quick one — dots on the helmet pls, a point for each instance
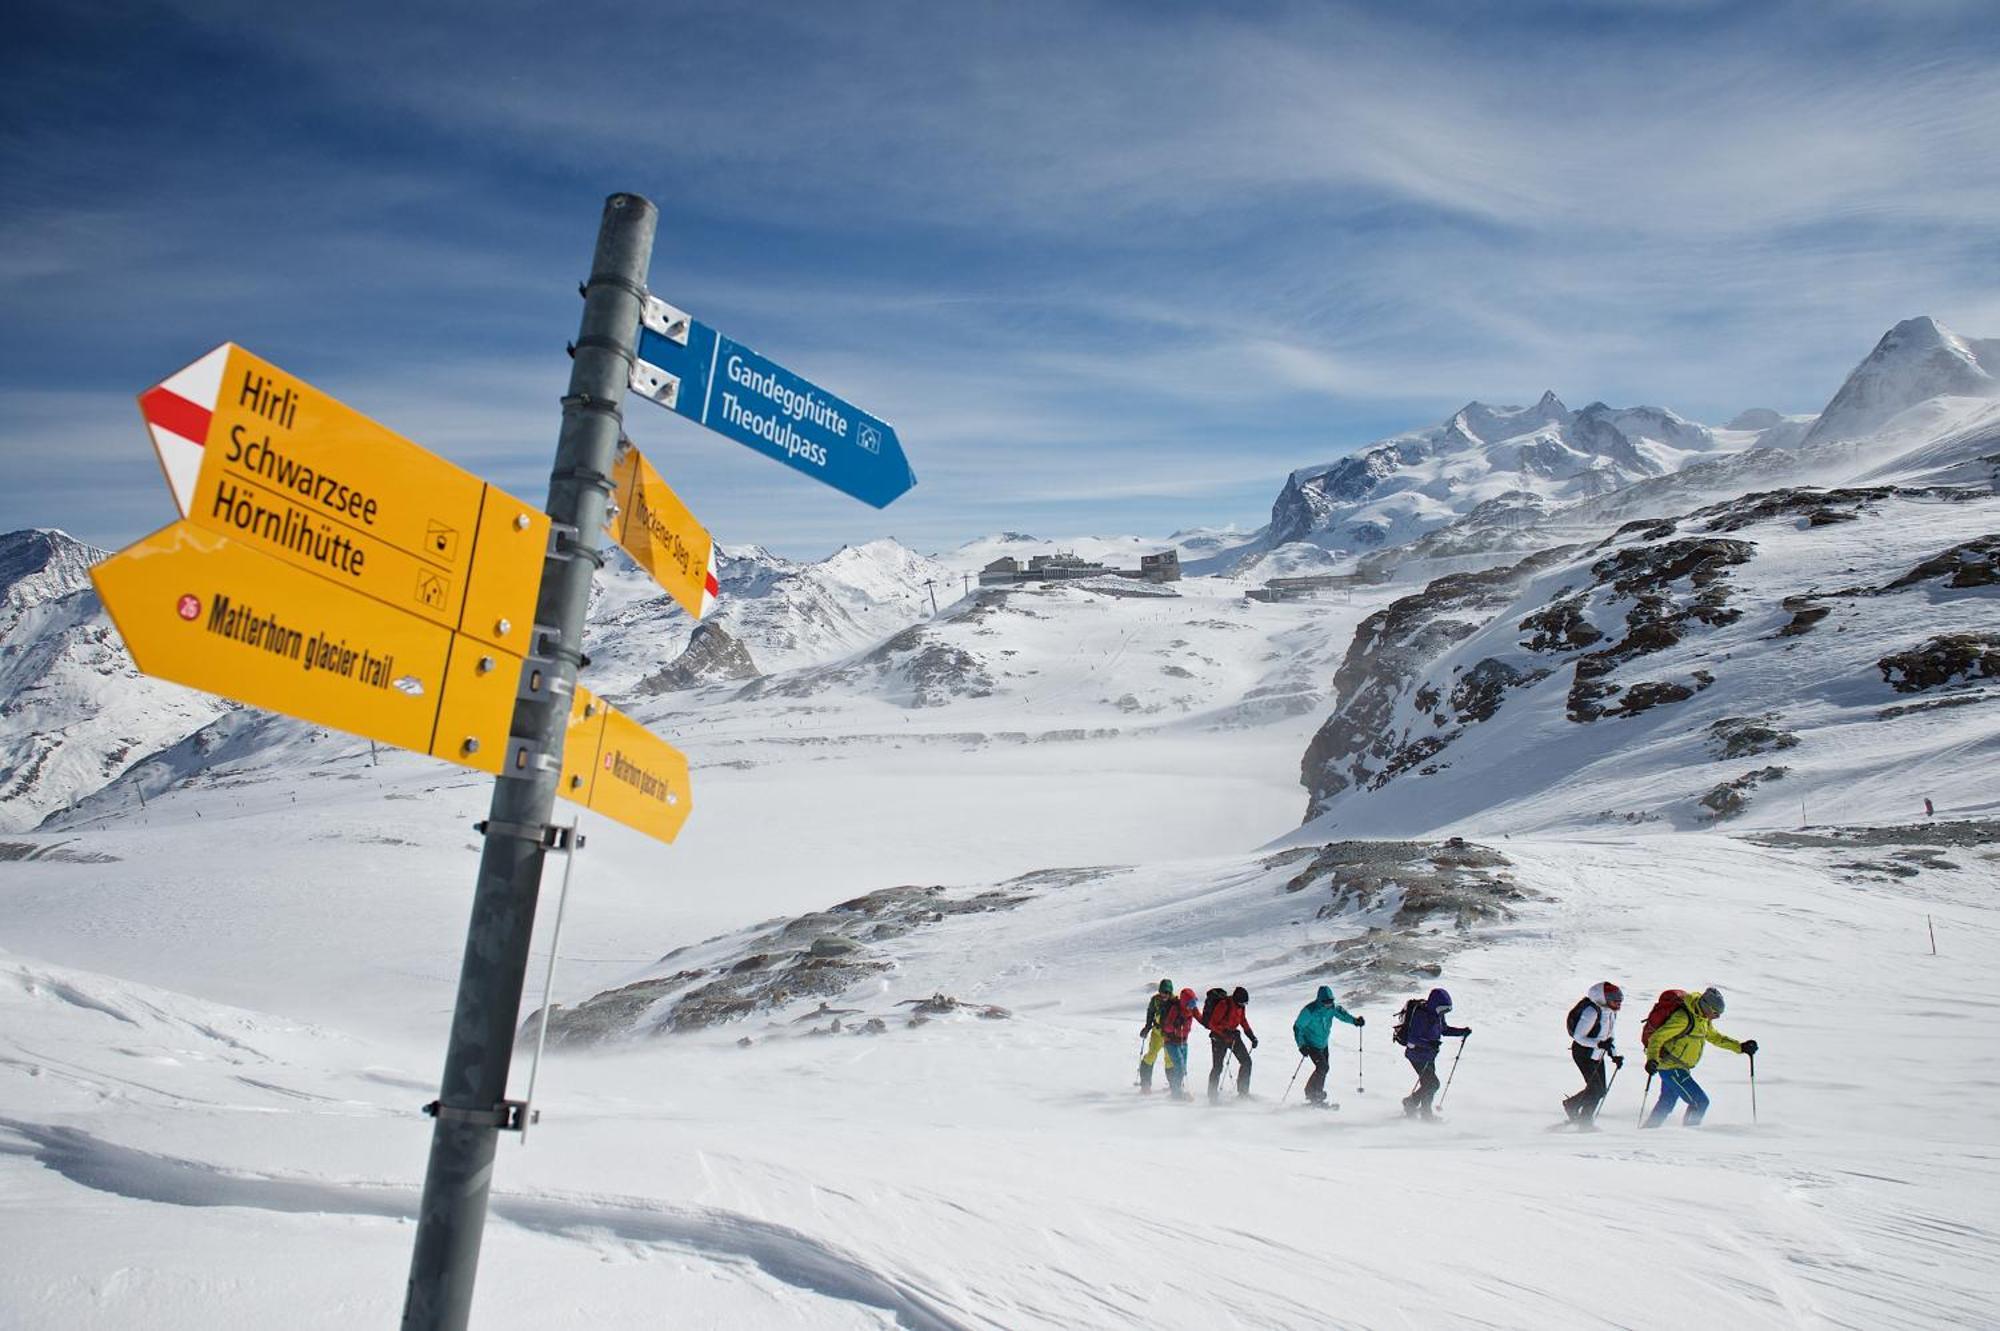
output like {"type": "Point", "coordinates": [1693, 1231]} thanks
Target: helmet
{"type": "Point", "coordinates": [1241, 995]}
{"type": "Point", "coordinates": [1440, 1000]}
{"type": "Point", "coordinates": [1167, 988]}
{"type": "Point", "coordinates": [1614, 997]}
{"type": "Point", "coordinates": [1711, 1001]}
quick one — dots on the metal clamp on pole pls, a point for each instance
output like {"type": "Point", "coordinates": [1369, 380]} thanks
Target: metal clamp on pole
{"type": "Point", "coordinates": [546, 641]}
{"type": "Point", "coordinates": [649, 380]}
{"type": "Point", "coordinates": [548, 836]}
{"type": "Point", "coordinates": [541, 682]}
{"type": "Point", "coordinates": [528, 758]}
{"type": "Point", "coordinates": [563, 538]}
{"type": "Point", "coordinates": [507, 1116]}
{"type": "Point", "coordinates": [588, 402]}
{"type": "Point", "coordinates": [665, 319]}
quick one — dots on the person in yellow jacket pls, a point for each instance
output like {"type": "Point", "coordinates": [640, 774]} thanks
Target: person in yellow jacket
{"type": "Point", "coordinates": [1153, 1036]}
{"type": "Point", "coordinates": [1675, 1047]}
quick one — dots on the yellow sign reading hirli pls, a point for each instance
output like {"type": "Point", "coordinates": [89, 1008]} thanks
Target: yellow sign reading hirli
{"type": "Point", "coordinates": [284, 469]}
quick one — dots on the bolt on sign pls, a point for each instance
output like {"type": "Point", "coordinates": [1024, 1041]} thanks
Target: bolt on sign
{"type": "Point", "coordinates": [265, 459]}
{"type": "Point", "coordinates": [653, 526]}
{"type": "Point", "coordinates": [203, 610]}
{"type": "Point", "coordinates": [616, 767]}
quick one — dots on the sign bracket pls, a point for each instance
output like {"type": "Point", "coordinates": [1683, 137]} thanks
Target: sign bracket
{"type": "Point", "coordinates": [549, 836]}
{"type": "Point", "coordinates": [507, 1116]}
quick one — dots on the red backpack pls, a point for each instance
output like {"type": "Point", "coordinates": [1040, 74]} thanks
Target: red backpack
{"type": "Point", "coordinates": [1669, 1002]}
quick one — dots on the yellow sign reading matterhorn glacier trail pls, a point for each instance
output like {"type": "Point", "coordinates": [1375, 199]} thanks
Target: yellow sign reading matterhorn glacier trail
{"type": "Point", "coordinates": [269, 461]}
{"type": "Point", "coordinates": [205, 611]}
{"type": "Point", "coordinates": [618, 768]}
{"type": "Point", "coordinates": [656, 529]}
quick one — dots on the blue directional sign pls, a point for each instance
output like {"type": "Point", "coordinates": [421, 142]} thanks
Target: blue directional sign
{"type": "Point", "coordinates": [718, 382]}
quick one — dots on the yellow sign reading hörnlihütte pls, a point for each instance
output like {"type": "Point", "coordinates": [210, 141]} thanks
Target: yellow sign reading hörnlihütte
{"type": "Point", "coordinates": [656, 529]}
{"type": "Point", "coordinates": [205, 611]}
{"type": "Point", "coordinates": [272, 463]}
{"type": "Point", "coordinates": [616, 767]}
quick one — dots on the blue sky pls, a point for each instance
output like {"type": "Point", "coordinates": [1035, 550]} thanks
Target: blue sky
{"type": "Point", "coordinates": [1107, 267]}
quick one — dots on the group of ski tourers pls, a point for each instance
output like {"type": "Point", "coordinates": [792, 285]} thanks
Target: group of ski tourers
{"type": "Point", "coordinates": [1680, 1025]}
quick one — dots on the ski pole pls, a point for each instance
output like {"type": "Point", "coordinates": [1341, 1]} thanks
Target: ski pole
{"type": "Point", "coordinates": [1644, 1096]}
{"type": "Point", "coordinates": [1753, 1088]}
{"type": "Point", "coordinates": [1453, 1073]}
{"type": "Point", "coordinates": [1360, 1069]}
{"type": "Point", "coordinates": [1292, 1082]}
{"type": "Point", "coordinates": [1616, 1068]}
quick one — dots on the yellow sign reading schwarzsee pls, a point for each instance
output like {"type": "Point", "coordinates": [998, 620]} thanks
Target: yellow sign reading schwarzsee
{"type": "Point", "coordinates": [205, 611]}
{"type": "Point", "coordinates": [294, 473]}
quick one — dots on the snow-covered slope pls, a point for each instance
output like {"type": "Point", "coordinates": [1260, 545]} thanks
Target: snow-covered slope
{"type": "Point", "coordinates": [1657, 675]}
{"type": "Point", "coordinates": [74, 712]}
{"type": "Point", "coordinates": [784, 613]}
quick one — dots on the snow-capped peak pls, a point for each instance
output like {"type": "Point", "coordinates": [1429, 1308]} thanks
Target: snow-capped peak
{"type": "Point", "coordinates": [1917, 360]}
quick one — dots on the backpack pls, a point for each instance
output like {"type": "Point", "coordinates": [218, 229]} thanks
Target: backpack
{"type": "Point", "coordinates": [1576, 1015]}
{"type": "Point", "coordinates": [1669, 1002]}
{"type": "Point", "coordinates": [1214, 1005]}
{"type": "Point", "coordinates": [1400, 1031]}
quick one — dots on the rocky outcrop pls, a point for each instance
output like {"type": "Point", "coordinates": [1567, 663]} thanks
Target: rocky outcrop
{"type": "Point", "coordinates": [712, 657]}
{"type": "Point", "coordinates": [817, 956]}
{"type": "Point", "coordinates": [1359, 744]}
{"type": "Point", "coordinates": [1946, 659]}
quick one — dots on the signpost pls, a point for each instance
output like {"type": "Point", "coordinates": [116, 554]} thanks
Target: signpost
{"type": "Point", "coordinates": [614, 765]}
{"type": "Point", "coordinates": [281, 467]}
{"type": "Point", "coordinates": [653, 526]}
{"type": "Point", "coordinates": [716, 381]}
{"type": "Point", "coordinates": [204, 611]}
{"type": "Point", "coordinates": [330, 569]}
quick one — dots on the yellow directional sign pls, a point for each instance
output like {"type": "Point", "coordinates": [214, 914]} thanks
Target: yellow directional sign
{"type": "Point", "coordinates": [288, 471]}
{"type": "Point", "coordinates": [617, 767]}
{"type": "Point", "coordinates": [656, 529]}
{"type": "Point", "coordinates": [208, 612]}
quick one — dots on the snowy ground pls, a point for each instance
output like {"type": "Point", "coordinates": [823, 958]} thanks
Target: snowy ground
{"type": "Point", "coordinates": [213, 1047]}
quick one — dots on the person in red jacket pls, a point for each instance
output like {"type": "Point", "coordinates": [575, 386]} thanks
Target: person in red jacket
{"type": "Point", "coordinates": [1227, 1017]}
{"type": "Point", "coordinates": [1175, 1024]}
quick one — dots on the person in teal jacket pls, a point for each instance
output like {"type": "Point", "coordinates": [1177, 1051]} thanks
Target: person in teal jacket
{"type": "Point", "coordinates": [1310, 1031]}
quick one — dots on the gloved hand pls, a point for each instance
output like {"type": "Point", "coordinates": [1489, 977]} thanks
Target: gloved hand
{"type": "Point", "coordinates": [1253, 1042]}
{"type": "Point", "coordinates": [1466, 1032]}
{"type": "Point", "coordinates": [1361, 1021]}
{"type": "Point", "coordinates": [1303, 1053]}
{"type": "Point", "coordinates": [1619, 1061]}
{"type": "Point", "coordinates": [1651, 1067]}
{"type": "Point", "coordinates": [1611, 1049]}
{"type": "Point", "coordinates": [1750, 1048]}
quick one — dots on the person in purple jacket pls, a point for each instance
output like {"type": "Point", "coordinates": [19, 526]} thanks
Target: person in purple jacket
{"type": "Point", "coordinates": [1421, 1031]}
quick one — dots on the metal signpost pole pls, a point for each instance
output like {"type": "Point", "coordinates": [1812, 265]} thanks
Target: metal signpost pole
{"type": "Point", "coordinates": [472, 1107]}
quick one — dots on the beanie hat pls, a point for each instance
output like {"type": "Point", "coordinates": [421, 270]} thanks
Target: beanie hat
{"type": "Point", "coordinates": [1241, 995]}
{"type": "Point", "coordinates": [1167, 987]}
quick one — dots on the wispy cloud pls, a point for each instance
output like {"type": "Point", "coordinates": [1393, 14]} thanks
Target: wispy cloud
{"type": "Point", "coordinates": [1100, 262]}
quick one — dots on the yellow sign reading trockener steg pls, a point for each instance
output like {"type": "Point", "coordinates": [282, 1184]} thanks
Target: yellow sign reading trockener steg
{"type": "Point", "coordinates": [618, 768]}
{"type": "Point", "coordinates": [293, 473]}
{"type": "Point", "coordinates": [656, 529]}
{"type": "Point", "coordinates": [202, 610]}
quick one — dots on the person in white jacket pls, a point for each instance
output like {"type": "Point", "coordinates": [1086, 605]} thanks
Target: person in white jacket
{"type": "Point", "coordinates": [1591, 1024]}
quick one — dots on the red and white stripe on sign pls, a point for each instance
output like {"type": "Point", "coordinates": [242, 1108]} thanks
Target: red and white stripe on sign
{"type": "Point", "coordinates": [177, 412]}
{"type": "Point", "coordinates": [710, 588]}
